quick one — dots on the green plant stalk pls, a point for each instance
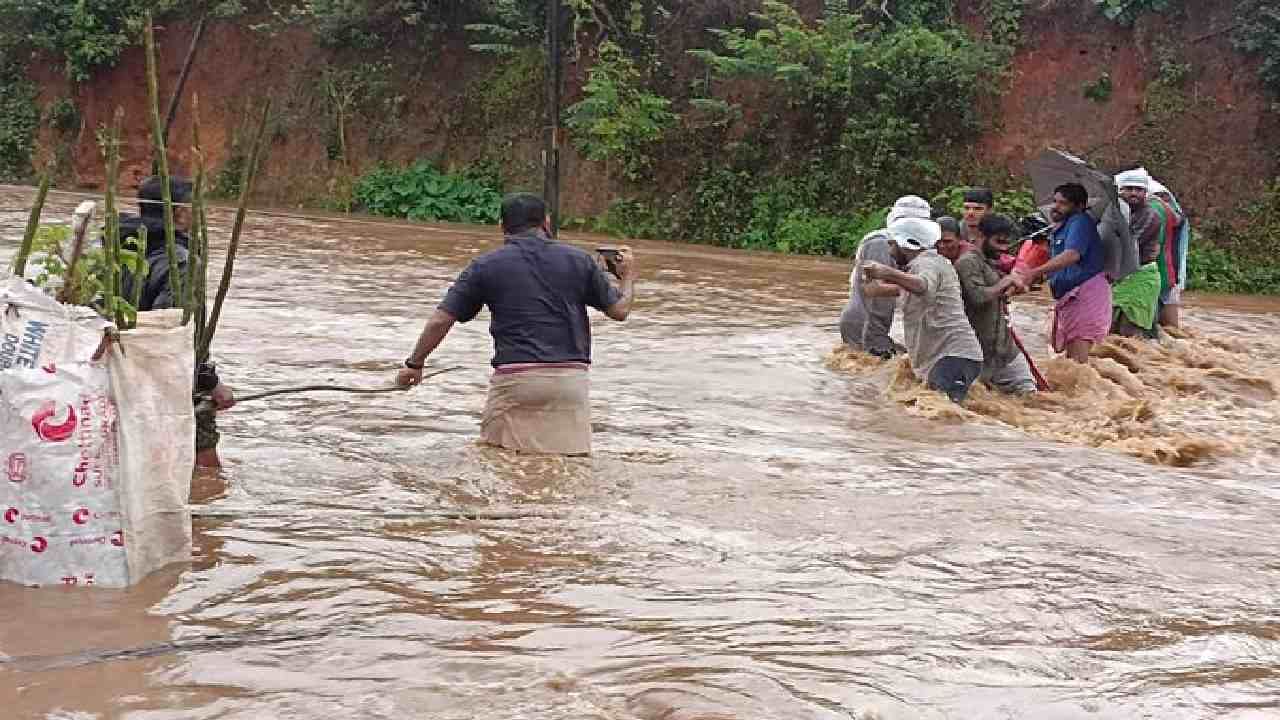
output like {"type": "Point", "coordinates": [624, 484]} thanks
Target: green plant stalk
{"type": "Point", "coordinates": [139, 278]}
{"type": "Point", "coordinates": [33, 223]}
{"type": "Point", "coordinates": [233, 246]}
{"type": "Point", "coordinates": [162, 159]}
{"type": "Point", "coordinates": [202, 312]}
{"type": "Point", "coordinates": [194, 302]}
{"type": "Point", "coordinates": [199, 250]}
{"type": "Point", "coordinates": [114, 311]}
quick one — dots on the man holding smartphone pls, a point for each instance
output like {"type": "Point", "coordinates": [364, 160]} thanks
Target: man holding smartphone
{"type": "Point", "coordinates": [538, 291]}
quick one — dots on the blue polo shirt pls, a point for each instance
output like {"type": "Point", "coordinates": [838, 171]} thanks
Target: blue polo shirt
{"type": "Point", "coordinates": [538, 292]}
{"type": "Point", "coordinates": [1077, 233]}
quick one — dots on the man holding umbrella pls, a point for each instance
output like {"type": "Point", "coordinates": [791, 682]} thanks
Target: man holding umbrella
{"type": "Point", "coordinates": [1082, 312]}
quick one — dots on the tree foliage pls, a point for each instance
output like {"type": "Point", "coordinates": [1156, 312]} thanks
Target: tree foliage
{"type": "Point", "coordinates": [617, 117]}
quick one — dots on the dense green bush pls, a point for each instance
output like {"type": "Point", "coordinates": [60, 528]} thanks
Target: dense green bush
{"type": "Point", "coordinates": [19, 118]}
{"type": "Point", "coordinates": [618, 119]}
{"type": "Point", "coordinates": [878, 103]}
{"type": "Point", "coordinates": [85, 33]}
{"type": "Point", "coordinates": [1259, 34]}
{"type": "Point", "coordinates": [1213, 269]}
{"type": "Point", "coordinates": [422, 192]}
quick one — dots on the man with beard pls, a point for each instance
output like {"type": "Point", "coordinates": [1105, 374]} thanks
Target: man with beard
{"type": "Point", "coordinates": [1082, 313]}
{"type": "Point", "coordinates": [985, 291]}
{"type": "Point", "coordinates": [944, 352]}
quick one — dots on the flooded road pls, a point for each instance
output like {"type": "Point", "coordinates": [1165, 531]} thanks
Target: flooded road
{"type": "Point", "coordinates": [758, 535]}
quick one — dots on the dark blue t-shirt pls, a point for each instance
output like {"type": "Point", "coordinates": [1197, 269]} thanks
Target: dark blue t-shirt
{"type": "Point", "coordinates": [538, 292]}
{"type": "Point", "coordinates": [1078, 233]}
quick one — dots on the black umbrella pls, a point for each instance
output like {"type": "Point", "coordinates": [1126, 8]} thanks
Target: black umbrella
{"type": "Point", "coordinates": [1054, 167]}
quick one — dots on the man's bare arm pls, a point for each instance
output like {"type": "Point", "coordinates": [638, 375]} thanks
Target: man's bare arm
{"type": "Point", "coordinates": [877, 289]}
{"type": "Point", "coordinates": [1063, 261]}
{"type": "Point", "coordinates": [438, 326]}
{"type": "Point", "coordinates": [906, 281]}
{"type": "Point", "coordinates": [626, 265]}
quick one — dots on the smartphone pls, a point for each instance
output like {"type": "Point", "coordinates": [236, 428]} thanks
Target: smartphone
{"type": "Point", "coordinates": [611, 255]}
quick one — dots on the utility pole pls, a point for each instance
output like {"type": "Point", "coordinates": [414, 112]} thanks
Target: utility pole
{"type": "Point", "coordinates": [551, 155]}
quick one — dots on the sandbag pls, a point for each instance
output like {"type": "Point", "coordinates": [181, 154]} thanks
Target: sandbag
{"type": "Point", "coordinates": [93, 494]}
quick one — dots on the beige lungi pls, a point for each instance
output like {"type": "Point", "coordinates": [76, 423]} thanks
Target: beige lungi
{"type": "Point", "coordinates": [544, 411]}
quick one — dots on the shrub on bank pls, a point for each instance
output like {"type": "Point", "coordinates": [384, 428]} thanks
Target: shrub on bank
{"type": "Point", "coordinates": [423, 192]}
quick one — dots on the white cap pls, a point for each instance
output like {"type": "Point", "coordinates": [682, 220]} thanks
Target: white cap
{"type": "Point", "coordinates": [916, 233]}
{"type": "Point", "coordinates": [1138, 177]}
{"type": "Point", "coordinates": [909, 206]}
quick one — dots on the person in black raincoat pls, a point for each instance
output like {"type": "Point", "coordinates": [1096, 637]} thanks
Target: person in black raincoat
{"type": "Point", "coordinates": [157, 295]}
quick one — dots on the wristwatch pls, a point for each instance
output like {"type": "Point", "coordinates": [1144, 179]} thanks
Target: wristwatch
{"type": "Point", "coordinates": [413, 365]}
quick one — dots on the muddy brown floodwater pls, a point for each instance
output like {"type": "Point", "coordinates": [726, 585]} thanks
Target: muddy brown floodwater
{"type": "Point", "coordinates": [764, 532]}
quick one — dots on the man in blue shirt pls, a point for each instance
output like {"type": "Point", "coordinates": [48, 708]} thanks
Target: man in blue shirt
{"type": "Point", "coordinates": [1082, 313]}
{"type": "Point", "coordinates": [538, 292]}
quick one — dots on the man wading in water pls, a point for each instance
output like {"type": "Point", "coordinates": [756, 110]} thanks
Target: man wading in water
{"type": "Point", "coordinates": [985, 290]}
{"type": "Point", "coordinates": [538, 291]}
{"type": "Point", "coordinates": [1082, 313]}
{"type": "Point", "coordinates": [157, 295]}
{"type": "Point", "coordinates": [865, 322]}
{"type": "Point", "coordinates": [944, 352]}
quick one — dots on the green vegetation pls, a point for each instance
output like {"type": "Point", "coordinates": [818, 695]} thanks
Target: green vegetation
{"type": "Point", "coordinates": [422, 192]}
{"type": "Point", "coordinates": [1126, 11]}
{"type": "Point", "coordinates": [1240, 257]}
{"type": "Point", "coordinates": [1213, 269]}
{"type": "Point", "coordinates": [617, 119]}
{"type": "Point", "coordinates": [93, 271]}
{"type": "Point", "coordinates": [1259, 34]}
{"type": "Point", "coordinates": [19, 118]}
{"type": "Point", "coordinates": [1099, 90]}
{"type": "Point", "coordinates": [860, 135]}
{"type": "Point", "coordinates": [86, 34]}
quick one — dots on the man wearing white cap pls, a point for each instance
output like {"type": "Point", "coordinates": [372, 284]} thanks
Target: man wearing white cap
{"type": "Point", "coordinates": [944, 352]}
{"type": "Point", "coordinates": [865, 322]}
{"type": "Point", "coordinates": [1153, 224]}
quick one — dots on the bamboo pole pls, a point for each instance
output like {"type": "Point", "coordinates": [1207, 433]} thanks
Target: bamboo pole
{"type": "Point", "coordinates": [112, 222]}
{"type": "Point", "coordinates": [162, 161]}
{"type": "Point", "coordinates": [246, 188]}
{"type": "Point", "coordinates": [140, 276]}
{"type": "Point", "coordinates": [198, 250]}
{"type": "Point", "coordinates": [187, 64]}
{"type": "Point", "coordinates": [193, 300]}
{"type": "Point", "coordinates": [33, 223]}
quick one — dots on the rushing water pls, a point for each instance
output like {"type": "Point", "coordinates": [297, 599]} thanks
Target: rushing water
{"type": "Point", "coordinates": [763, 532]}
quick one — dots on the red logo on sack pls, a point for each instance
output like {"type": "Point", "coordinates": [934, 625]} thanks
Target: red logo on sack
{"type": "Point", "coordinates": [50, 368]}
{"type": "Point", "coordinates": [11, 515]}
{"type": "Point", "coordinates": [117, 538]}
{"type": "Point", "coordinates": [82, 474]}
{"type": "Point", "coordinates": [47, 429]}
{"type": "Point", "coordinates": [17, 467]}
{"type": "Point", "coordinates": [80, 516]}
{"type": "Point", "coordinates": [39, 545]}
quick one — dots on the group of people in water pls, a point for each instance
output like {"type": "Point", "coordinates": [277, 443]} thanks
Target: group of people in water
{"type": "Point", "coordinates": [954, 279]}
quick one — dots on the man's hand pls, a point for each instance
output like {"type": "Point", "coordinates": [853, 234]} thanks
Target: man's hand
{"type": "Point", "coordinates": [872, 270]}
{"type": "Point", "coordinates": [408, 377]}
{"type": "Point", "coordinates": [223, 398]}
